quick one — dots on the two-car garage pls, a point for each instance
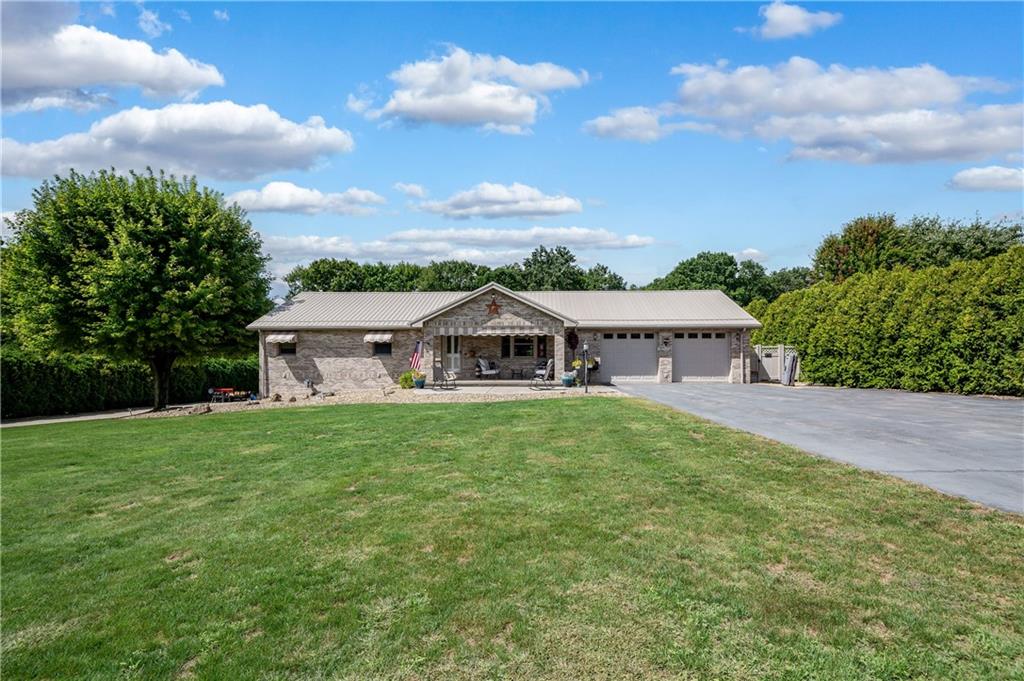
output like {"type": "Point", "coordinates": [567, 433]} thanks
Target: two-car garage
{"type": "Point", "coordinates": [696, 356]}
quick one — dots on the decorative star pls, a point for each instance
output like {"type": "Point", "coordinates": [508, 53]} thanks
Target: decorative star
{"type": "Point", "coordinates": [493, 307]}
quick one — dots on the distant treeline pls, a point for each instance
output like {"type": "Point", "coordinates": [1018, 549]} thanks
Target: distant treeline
{"type": "Point", "coordinates": [863, 245]}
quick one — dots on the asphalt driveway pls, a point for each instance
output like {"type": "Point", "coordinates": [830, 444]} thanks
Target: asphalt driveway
{"type": "Point", "coordinates": [968, 446]}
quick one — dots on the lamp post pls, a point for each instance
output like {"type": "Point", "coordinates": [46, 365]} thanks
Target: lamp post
{"type": "Point", "coordinates": [586, 368]}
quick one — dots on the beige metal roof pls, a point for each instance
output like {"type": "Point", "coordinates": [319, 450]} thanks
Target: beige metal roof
{"type": "Point", "coordinates": [590, 309]}
{"type": "Point", "coordinates": [336, 310]}
{"type": "Point", "coordinates": [677, 309]}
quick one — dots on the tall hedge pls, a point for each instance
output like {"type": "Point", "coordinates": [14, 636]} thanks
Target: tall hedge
{"type": "Point", "coordinates": [952, 329]}
{"type": "Point", "coordinates": [70, 384]}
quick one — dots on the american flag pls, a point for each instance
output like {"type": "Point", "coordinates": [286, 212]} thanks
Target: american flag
{"type": "Point", "coordinates": [417, 354]}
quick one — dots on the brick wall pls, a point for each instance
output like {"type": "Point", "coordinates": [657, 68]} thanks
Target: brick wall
{"type": "Point", "coordinates": [336, 360]}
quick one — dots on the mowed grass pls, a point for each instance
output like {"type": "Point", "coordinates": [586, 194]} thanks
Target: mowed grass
{"type": "Point", "coordinates": [558, 539]}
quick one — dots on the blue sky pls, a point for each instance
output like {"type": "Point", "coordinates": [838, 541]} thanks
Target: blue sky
{"type": "Point", "coordinates": [638, 134]}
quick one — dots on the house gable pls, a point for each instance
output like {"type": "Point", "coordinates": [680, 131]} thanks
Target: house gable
{"type": "Point", "coordinates": [493, 312]}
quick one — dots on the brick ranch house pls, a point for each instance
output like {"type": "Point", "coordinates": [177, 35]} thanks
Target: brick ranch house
{"type": "Point", "coordinates": [340, 341]}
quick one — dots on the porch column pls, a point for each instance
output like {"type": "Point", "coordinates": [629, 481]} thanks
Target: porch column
{"type": "Point", "coordinates": [263, 387]}
{"type": "Point", "coordinates": [559, 354]}
{"type": "Point", "coordinates": [427, 358]}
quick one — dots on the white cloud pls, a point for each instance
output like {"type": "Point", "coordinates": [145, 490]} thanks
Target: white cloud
{"type": "Point", "coordinates": [858, 115]}
{"type": "Point", "coordinates": [221, 15]}
{"type": "Point", "coordinates": [751, 254]}
{"type": "Point", "coordinates": [357, 104]}
{"type": "Point", "coordinates": [581, 237]}
{"type": "Point", "coordinates": [802, 86]}
{"type": "Point", "coordinates": [285, 197]}
{"type": "Point", "coordinates": [639, 124]}
{"type": "Point", "coordinates": [489, 200]}
{"type": "Point", "coordinates": [221, 140]}
{"type": "Point", "coordinates": [787, 21]}
{"type": "Point", "coordinates": [900, 136]}
{"type": "Point", "coordinates": [48, 62]}
{"type": "Point", "coordinates": [150, 24]}
{"type": "Point", "coordinates": [482, 246]}
{"type": "Point", "coordinates": [989, 179]}
{"type": "Point", "coordinates": [183, 15]}
{"type": "Point", "coordinates": [466, 89]}
{"type": "Point", "coordinates": [108, 9]}
{"type": "Point", "coordinates": [411, 190]}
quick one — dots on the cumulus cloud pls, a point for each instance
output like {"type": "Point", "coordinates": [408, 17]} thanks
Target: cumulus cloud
{"type": "Point", "coordinates": [989, 179]}
{"type": "Point", "coordinates": [640, 124]}
{"type": "Point", "coordinates": [467, 89]}
{"type": "Point", "coordinates": [857, 115]}
{"type": "Point", "coordinates": [221, 140]}
{"type": "Point", "coordinates": [50, 62]}
{"type": "Point", "coordinates": [489, 200]}
{"type": "Point", "coordinates": [411, 190]}
{"type": "Point", "coordinates": [286, 197]}
{"type": "Point", "coordinates": [787, 21]}
{"type": "Point", "coordinates": [221, 15]}
{"type": "Point", "coordinates": [150, 24]}
{"type": "Point", "coordinates": [751, 254]}
{"type": "Point", "coordinates": [483, 246]}
{"type": "Point", "coordinates": [582, 237]}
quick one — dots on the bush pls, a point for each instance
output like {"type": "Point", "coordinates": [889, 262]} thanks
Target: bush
{"type": "Point", "coordinates": [953, 329]}
{"type": "Point", "coordinates": [71, 384]}
{"type": "Point", "coordinates": [405, 381]}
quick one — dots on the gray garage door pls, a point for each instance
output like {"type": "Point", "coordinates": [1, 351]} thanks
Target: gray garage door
{"type": "Point", "coordinates": [628, 357]}
{"type": "Point", "coordinates": [700, 356]}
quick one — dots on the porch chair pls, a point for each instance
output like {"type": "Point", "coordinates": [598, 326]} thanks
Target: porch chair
{"type": "Point", "coordinates": [485, 368]}
{"type": "Point", "coordinates": [543, 376]}
{"type": "Point", "coordinates": [443, 378]}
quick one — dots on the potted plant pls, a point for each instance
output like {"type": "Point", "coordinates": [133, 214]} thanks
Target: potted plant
{"type": "Point", "coordinates": [405, 380]}
{"type": "Point", "coordinates": [419, 379]}
{"type": "Point", "coordinates": [569, 379]}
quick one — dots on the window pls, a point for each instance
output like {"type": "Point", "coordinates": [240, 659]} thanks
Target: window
{"type": "Point", "coordinates": [720, 335]}
{"type": "Point", "coordinates": [382, 349]}
{"type": "Point", "coordinates": [621, 336]}
{"type": "Point", "coordinates": [649, 336]}
{"type": "Point", "coordinates": [680, 335]}
{"type": "Point", "coordinates": [705, 335]}
{"type": "Point", "coordinates": [286, 348]}
{"type": "Point", "coordinates": [522, 346]}
{"type": "Point", "coordinates": [609, 336]}
{"type": "Point", "coordinates": [542, 346]}
{"type": "Point", "coordinates": [634, 335]}
{"type": "Point", "coordinates": [506, 346]}
{"type": "Point", "coordinates": [692, 334]}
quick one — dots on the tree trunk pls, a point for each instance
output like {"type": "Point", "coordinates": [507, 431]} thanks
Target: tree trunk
{"type": "Point", "coordinates": [161, 365]}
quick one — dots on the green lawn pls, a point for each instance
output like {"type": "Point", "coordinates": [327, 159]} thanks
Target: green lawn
{"type": "Point", "coordinates": [563, 539]}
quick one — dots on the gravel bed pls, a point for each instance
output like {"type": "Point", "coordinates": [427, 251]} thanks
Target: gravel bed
{"type": "Point", "coordinates": [384, 396]}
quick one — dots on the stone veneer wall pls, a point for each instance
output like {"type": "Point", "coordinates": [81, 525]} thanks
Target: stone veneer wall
{"type": "Point", "coordinates": [473, 313]}
{"type": "Point", "coordinates": [335, 360]}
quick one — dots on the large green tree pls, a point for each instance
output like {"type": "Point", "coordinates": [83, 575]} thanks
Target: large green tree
{"type": "Point", "coordinates": [552, 269]}
{"type": "Point", "coordinates": [706, 270]}
{"type": "Point", "coordinates": [453, 275]}
{"type": "Point", "coordinates": [874, 242]}
{"type": "Point", "coordinates": [142, 266]}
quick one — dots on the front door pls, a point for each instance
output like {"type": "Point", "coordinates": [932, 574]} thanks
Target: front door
{"type": "Point", "coordinates": [452, 356]}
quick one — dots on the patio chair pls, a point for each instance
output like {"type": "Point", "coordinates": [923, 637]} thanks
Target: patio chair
{"type": "Point", "coordinates": [543, 376]}
{"type": "Point", "coordinates": [486, 369]}
{"type": "Point", "coordinates": [443, 378]}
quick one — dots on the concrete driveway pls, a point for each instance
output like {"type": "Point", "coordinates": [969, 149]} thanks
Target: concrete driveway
{"type": "Point", "coordinates": [967, 446]}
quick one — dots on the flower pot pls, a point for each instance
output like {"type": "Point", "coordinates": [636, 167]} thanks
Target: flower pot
{"type": "Point", "coordinates": [419, 382]}
{"type": "Point", "coordinates": [567, 381]}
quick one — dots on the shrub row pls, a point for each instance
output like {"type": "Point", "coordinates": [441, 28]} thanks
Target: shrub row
{"type": "Point", "coordinates": [70, 384]}
{"type": "Point", "coordinates": [952, 329]}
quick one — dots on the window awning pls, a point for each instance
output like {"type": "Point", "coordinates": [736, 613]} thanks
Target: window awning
{"type": "Point", "coordinates": [377, 337]}
{"type": "Point", "coordinates": [281, 338]}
